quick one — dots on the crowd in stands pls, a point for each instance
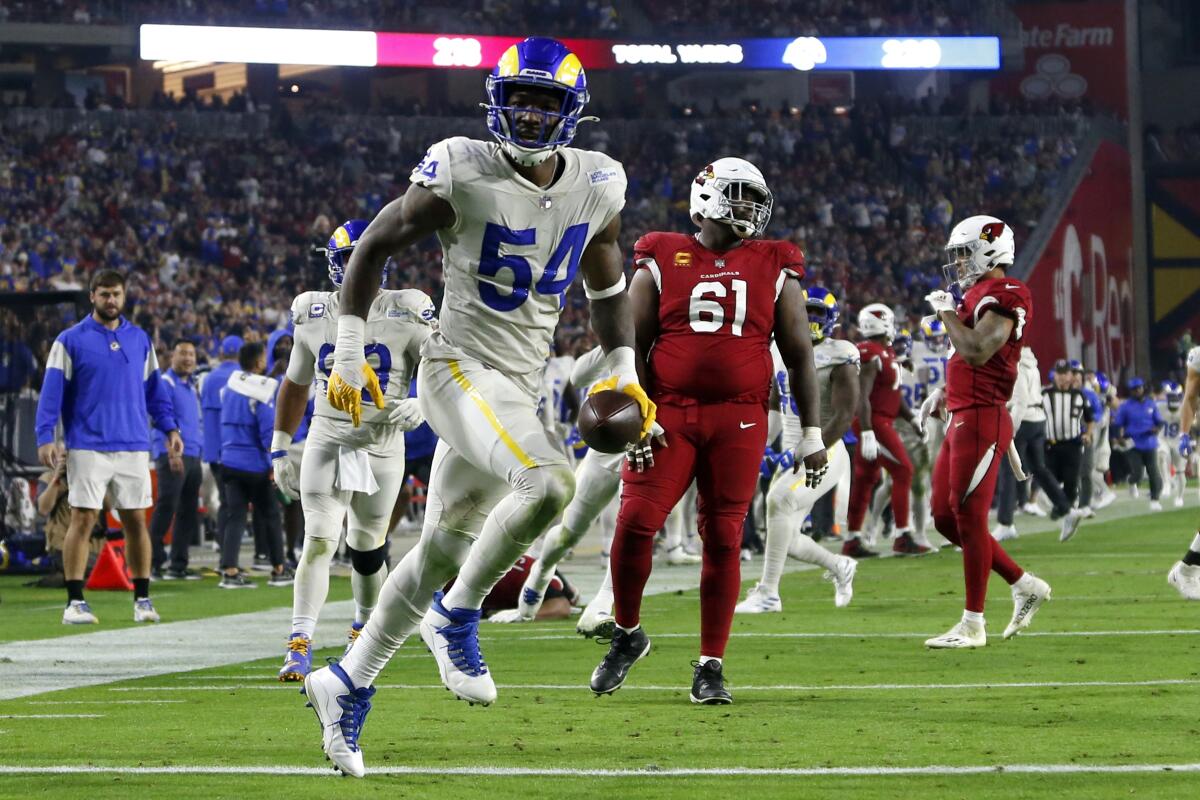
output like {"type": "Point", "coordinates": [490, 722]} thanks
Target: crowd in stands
{"type": "Point", "coordinates": [217, 238]}
{"type": "Point", "coordinates": [562, 17]}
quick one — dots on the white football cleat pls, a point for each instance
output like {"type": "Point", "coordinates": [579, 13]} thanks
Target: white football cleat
{"type": "Point", "coordinates": [759, 601]}
{"type": "Point", "coordinates": [596, 622]}
{"type": "Point", "coordinates": [678, 557]}
{"type": "Point", "coordinates": [842, 577]}
{"type": "Point", "coordinates": [341, 710]}
{"type": "Point", "coordinates": [143, 611]}
{"type": "Point", "coordinates": [78, 612]}
{"type": "Point", "coordinates": [1155, 505]}
{"type": "Point", "coordinates": [1185, 578]}
{"type": "Point", "coordinates": [1004, 532]}
{"type": "Point", "coordinates": [1106, 500]}
{"type": "Point", "coordinates": [1087, 512]}
{"type": "Point", "coordinates": [964, 635]}
{"type": "Point", "coordinates": [1033, 509]}
{"type": "Point", "coordinates": [452, 635]}
{"type": "Point", "coordinates": [1070, 524]}
{"type": "Point", "coordinates": [1026, 602]}
{"type": "Point", "coordinates": [1179, 501]}
{"type": "Point", "coordinates": [533, 592]}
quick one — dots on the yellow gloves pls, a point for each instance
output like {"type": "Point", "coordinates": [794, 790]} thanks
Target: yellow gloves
{"type": "Point", "coordinates": [344, 397]}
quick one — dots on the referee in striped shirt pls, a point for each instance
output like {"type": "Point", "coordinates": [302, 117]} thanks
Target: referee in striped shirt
{"type": "Point", "coordinates": [1069, 419]}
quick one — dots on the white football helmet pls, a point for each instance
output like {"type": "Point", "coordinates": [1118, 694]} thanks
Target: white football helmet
{"type": "Point", "coordinates": [877, 319]}
{"type": "Point", "coordinates": [733, 191]}
{"type": "Point", "coordinates": [976, 245]}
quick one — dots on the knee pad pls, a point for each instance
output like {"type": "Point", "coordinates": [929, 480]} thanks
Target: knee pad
{"type": "Point", "coordinates": [368, 562]}
{"type": "Point", "coordinates": [548, 490]}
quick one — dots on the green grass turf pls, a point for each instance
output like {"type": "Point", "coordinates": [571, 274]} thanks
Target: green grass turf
{"type": "Point", "coordinates": [1109, 578]}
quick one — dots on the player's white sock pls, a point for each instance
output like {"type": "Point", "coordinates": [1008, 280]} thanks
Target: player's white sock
{"type": "Point", "coordinates": [403, 601]}
{"type": "Point", "coordinates": [311, 585]}
{"type": "Point", "coordinates": [780, 531]}
{"type": "Point", "coordinates": [604, 595]}
{"type": "Point", "coordinates": [973, 617]}
{"type": "Point", "coordinates": [1195, 547]}
{"type": "Point", "coordinates": [805, 549]}
{"type": "Point", "coordinates": [538, 496]}
{"type": "Point", "coordinates": [841, 502]}
{"type": "Point", "coordinates": [705, 659]}
{"type": "Point", "coordinates": [366, 590]}
{"type": "Point", "coordinates": [555, 545]}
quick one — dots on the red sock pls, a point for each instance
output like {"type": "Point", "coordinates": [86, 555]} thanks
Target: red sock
{"type": "Point", "coordinates": [720, 581]}
{"type": "Point", "coordinates": [630, 560]}
{"type": "Point", "coordinates": [977, 563]}
{"type": "Point", "coordinates": [1003, 564]}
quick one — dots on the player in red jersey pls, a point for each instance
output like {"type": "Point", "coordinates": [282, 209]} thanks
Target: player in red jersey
{"type": "Point", "coordinates": [879, 403]}
{"type": "Point", "coordinates": [705, 309]}
{"type": "Point", "coordinates": [985, 329]}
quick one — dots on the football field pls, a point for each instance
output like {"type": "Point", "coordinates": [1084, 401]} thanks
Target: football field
{"type": "Point", "coordinates": [1101, 698]}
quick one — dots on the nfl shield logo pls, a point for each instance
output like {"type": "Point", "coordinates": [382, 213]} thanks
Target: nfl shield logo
{"type": "Point", "coordinates": [544, 203]}
{"type": "Point", "coordinates": [720, 263]}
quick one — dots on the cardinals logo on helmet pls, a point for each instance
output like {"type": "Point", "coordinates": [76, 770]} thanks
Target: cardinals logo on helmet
{"type": "Point", "coordinates": [991, 231]}
{"type": "Point", "coordinates": [706, 174]}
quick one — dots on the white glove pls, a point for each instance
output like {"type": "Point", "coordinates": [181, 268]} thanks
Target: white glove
{"type": "Point", "coordinates": [868, 448]}
{"type": "Point", "coordinates": [284, 470]}
{"type": "Point", "coordinates": [934, 406]}
{"type": "Point", "coordinates": [640, 455]}
{"type": "Point", "coordinates": [508, 615]}
{"type": "Point", "coordinates": [407, 414]}
{"type": "Point", "coordinates": [941, 300]}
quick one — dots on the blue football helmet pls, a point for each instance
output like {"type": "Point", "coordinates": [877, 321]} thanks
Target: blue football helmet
{"type": "Point", "coordinates": [1075, 364]}
{"type": "Point", "coordinates": [1103, 382]}
{"type": "Point", "coordinates": [1173, 393]}
{"type": "Point", "coordinates": [933, 331]}
{"type": "Point", "coordinates": [823, 312]}
{"type": "Point", "coordinates": [902, 344]}
{"type": "Point", "coordinates": [536, 63]}
{"type": "Point", "coordinates": [341, 245]}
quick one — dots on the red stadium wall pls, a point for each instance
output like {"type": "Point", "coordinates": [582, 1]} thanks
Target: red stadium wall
{"type": "Point", "coordinates": [1082, 281]}
{"type": "Point", "coordinates": [1073, 51]}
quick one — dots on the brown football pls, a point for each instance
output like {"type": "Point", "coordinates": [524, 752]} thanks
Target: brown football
{"type": "Point", "coordinates": [609, 420]}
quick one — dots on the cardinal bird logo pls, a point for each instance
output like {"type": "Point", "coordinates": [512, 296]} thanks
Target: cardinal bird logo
{"type": "Point", "coordinates": [706, 174]}
{"type": "Point", "coordinates": [991, 232]}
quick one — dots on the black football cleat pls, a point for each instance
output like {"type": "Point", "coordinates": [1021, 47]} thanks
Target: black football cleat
{"type": "Point", "coordinates": [624, 650]}
{"type": "Point", "coordinates": [708, 684]}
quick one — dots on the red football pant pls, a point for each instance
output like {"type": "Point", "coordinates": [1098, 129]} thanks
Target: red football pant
{"type": "Point", "coordinates": [720, 446]}
{"type": "Point", "coordinates": [892, 457]}
{"type": "Point", "coordinates": [964, 480]}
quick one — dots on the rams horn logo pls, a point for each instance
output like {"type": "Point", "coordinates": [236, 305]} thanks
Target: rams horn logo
{"type": "Point", "coordinates": [991, 232]}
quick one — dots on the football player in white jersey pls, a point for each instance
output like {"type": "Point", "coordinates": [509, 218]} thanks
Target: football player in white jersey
{"type": "Point", "coordinates": [344, 468]}
{"type": "Point", "coordinates": [517, 218]}
{"type": "Point", "coordinates": [1185, 574]}
{"type": "Point", "coordinates": [1172, 462]}
{"type": "Point", "coordinates": [789, 500]}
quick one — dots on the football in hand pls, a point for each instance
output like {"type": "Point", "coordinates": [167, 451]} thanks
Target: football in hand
{"type": "Point", "coordinates": [610, 420]}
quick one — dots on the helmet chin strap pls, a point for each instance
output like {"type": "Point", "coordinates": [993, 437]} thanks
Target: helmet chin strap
{"type": "Point", "coordinates": [526, 157]}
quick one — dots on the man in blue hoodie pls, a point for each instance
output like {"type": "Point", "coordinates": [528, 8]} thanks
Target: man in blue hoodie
{"type": "Point", "coordinates": [178, 475]}
{"type": "Point", "coordinates": [210, 406]}
{"type": "Point", "coordinates": [247, 422]}
{"type": "Point", "coordinates": [1138, 419]}
{"type": "Point", "coordinates": [102, 381]}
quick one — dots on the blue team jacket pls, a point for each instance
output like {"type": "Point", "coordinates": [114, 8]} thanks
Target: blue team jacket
{"type": "Point", "coordinates": [104, 384]}
{"type": "Point", "coordinates": [1140, 421]}
{"type": "Point", "coordinates": [187, 414]}
{"type": "Point", "coordinates": [247, 421]}
{"type": "Point", "coordinates": [210, 404]}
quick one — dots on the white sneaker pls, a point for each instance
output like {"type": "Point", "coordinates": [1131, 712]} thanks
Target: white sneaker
{"type": "Point", "coordinates": [1179, 501]}
{"type": "Point", "coordinates": [1185, 578]}
{"type": "Point", "coordinates": [1026, 603]}
{"type": "Point", "coordinates": [596, 621]}
{"type": "Point", "coordinates": [452, 635]}
{"type": "Point", "coordinates": [78, 612]}
{"type": "Point", "coordinates": [1070, 524]}
{"type": "Point", "coordinates": [1134, 491]}
{"type": "Point", "coordinates": [842, 576]}
{"type": "Point", "coordinates": [1087, 512]}
{"type": "Point", "coordinates": [143, 611]}
{"type": "Point", "coordinates": [678, 557]}
{"type": "Point", "coordinates": [1155, 505]}
{"type": "Point", "coordinates": [533, 592]}
{"type": "Point", "coordinates": [759, 601]}
{"type": "Point", "coordinates": [962, 635]}
{"type": "Point", "coordinates": [1004, 532]}
{"type": "Point", "coordinates": [341, 710]}
{"type": "Point", "coordinates": [747, 554]}
{"type": "Point", "coordinates": [1106, 500]}
{"type": "Point", "coordinates": [1033, 509]}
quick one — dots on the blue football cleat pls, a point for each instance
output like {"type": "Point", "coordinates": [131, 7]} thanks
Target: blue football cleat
{"type": "Point", "coordinates": [297, 662]}
{"type": "Point", "coordinates": [452, 635]}
{"type": "Point", "coordinates": [342, 711]}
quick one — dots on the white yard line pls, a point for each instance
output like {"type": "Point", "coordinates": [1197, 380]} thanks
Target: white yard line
{"type": "Point", "coordinates": [786, 687]}
{"type": "Point", "coordinates": [52, 716]}
{"type": "Point", "coordinates": [100, 702]}
{"type": "Point", "coordinates": [522, 772]}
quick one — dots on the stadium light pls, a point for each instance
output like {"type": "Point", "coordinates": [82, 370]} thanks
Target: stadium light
{"type": "Point", "coordinates": [458, 51]}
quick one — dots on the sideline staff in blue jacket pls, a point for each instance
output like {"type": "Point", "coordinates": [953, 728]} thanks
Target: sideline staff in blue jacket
{"type": "Point", "coordinates": [247, 422]}
{"type": "Point", "coordinates": [102, 380]}
{"type": "Point", "coordinates": [178, 476]}
{"type": "Point", "coordinates": [1138, 419]}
